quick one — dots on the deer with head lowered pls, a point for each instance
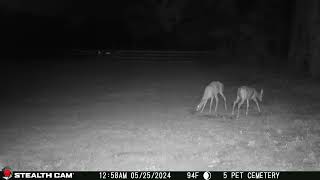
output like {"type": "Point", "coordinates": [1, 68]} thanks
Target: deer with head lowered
{"type": "Point", "coordinates": [211, 91]}
{"type": "Point", "coordinates": [246, 93]}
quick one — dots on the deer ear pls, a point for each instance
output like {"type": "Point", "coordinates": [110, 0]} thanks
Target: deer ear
{"type": "Point", "coordinates": [261, 91]}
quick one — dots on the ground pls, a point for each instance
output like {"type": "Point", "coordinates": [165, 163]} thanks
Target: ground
{"type": "Point", "coordinates": [123, 116]}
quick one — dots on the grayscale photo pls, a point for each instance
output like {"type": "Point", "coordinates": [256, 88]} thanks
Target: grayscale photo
{"type": "Point", "coordinates": [159, 85]}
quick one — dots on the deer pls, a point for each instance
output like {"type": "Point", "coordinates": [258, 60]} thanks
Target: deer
{"type": "Point", "coordinates": [211, 91]}
{"type": "Point", "coordinates": [246, 93]}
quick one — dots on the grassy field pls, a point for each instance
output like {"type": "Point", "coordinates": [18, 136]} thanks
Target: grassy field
{"type": "Point", "coordinates": [126, 116]}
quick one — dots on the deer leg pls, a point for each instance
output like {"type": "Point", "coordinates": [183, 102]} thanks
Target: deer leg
{"type": "Point", "coordinates": [247, 107]}
{"type": "Point", "coordinates": [234, 104]}
{"type": "Point", "coordinates": [211, 104]}
{"type": "Point", "coordinates": [257, 105]}
{"type": "Point", "coordinates": [225, 102]}
{"type": "Point", "coordinates": [204, 105]}
{"type": "Point", "coordinates": [239, 106]}
{"type": "Point", "coordinates": [217, 102]}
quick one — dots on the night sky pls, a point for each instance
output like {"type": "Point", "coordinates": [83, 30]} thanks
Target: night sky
{"type": "Point", "coordinates": [140, 24]}
{"type": "Point", "coordinates": [60, 24]}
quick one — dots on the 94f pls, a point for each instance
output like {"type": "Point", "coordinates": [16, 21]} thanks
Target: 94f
{"type": "Point", "coordinates": [193, 175]}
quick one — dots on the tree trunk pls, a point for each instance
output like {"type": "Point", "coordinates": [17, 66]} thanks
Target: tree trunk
{"type": "Point", "coordinates": [304, 47]}
{"type": "Point", "coordinates": [314, 60]}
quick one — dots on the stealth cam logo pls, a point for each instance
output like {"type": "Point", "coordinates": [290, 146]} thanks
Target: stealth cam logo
{"type": "Point", "coordinates": [6, 173]}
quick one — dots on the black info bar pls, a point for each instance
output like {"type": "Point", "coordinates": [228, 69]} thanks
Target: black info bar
{"type": "Point", "coordinates": [165, 175]}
